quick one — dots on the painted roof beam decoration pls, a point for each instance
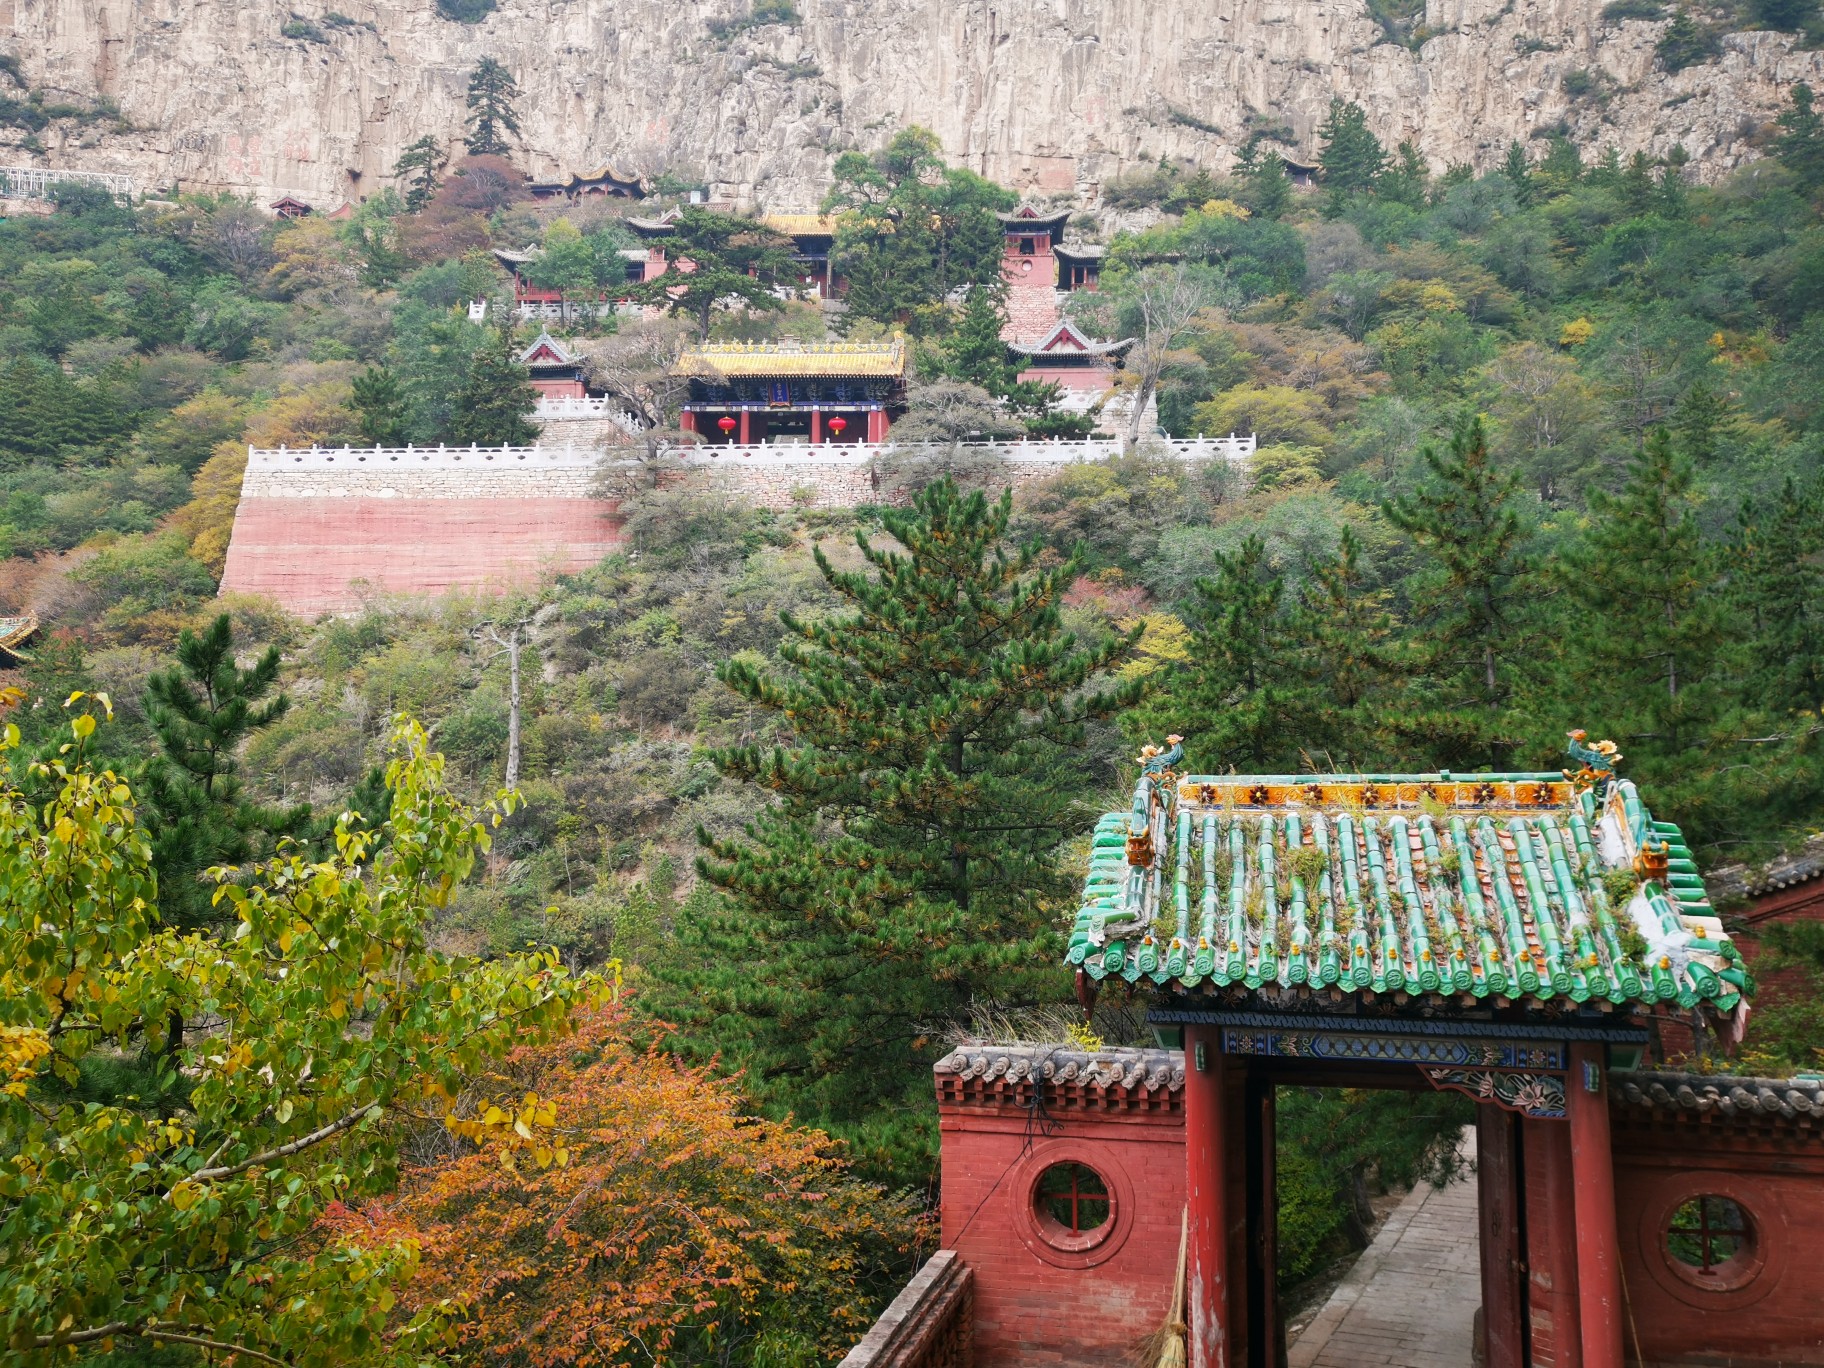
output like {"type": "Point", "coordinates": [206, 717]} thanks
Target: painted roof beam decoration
{"type": "Point", "coordinates": [1540, 889]}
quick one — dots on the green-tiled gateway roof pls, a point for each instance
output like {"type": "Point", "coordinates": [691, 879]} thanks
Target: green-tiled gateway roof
{"type": "Point", "coordinates": [1525, 887]}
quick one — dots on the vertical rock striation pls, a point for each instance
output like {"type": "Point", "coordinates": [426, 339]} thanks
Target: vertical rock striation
{"type": "Point", "coordinates": [1051, 96]}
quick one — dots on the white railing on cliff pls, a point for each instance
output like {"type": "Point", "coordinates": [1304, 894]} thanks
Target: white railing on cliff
{"type": "Point", "coordinates": [728, 456]}
{"type": "Point", "coordinates": [35, 182]}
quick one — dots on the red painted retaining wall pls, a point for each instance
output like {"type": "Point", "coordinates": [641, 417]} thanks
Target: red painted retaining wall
{"type": "Point", "coordinates": [314, 555]}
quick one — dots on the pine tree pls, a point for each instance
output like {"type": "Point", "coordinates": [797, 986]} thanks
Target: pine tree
{"type": "Point", "coordinates": [974, 350]}
{"type": "Point", "coordinates": [1777, 585]}
{"type": "Point", "coordinates": [418, 166]}
{"type": "Point", "coordinates": [1240, 697]}
{"type": "Point", "coordinates": [1784, 16]}
{"type": "Point", "coordinates": [1801, 140]}
{"type": "Point", "coordinates": [1700, 419]}
{"type": "Point", "coordinates": [1352, 158]}
{"type": "Point", "coordinates": [1638, 192]}
{"type": "Point", "coordinates": [1562, 169]}
{"type": "Point", "coordinates": [1685, 43]}
{"type": "Point", "coordinates": [492, 92]}
{"type": "Point", "coordinates": [1470, 602]}
{"type": "Point", "coordinates": [905, 869]}
{"type": "Point", "coordinates": [1644, 574]}
{"type": "Point", "coordinates": [1518, 173]}
{"type": "Point", "coordinates": [379, 405]}
{"type": "Point", "coordinates": [491, 405]}
{"type": "Point", "coordinates": [1348, 632]}
{"type": "Point", "coordinates": [1406, 179]}
{"type": "Point", "coordinates": [731, 258]}
{"type": "Point", "coordinates": [196, 813]}
{"type": "Point", "coordinates": [1269, 192]}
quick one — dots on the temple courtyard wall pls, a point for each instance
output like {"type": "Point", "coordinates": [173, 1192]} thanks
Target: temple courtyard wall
{"type": "Point", "coordinates": [324, 530]}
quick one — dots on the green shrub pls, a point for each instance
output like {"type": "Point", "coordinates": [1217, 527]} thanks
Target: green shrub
{"type": "Point", "coordinates": [1578, 82]}
{"type": "Point", "coordinates": [1618, 10]}
{"type": "Point", "coordinates": [1786, 16]}
{"type": "Point", "coordinates": [297, 27]}
{"type": "Point", "coordinates": [1686, 43]}
{"type": "Point", "coordinates": [465, 11]}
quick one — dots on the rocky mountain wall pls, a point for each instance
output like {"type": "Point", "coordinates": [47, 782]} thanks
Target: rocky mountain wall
{"type": "Point", "coordinates": [1053, 97]}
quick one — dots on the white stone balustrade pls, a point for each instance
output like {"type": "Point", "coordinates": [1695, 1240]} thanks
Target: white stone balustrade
{"type": "Point", "coordinates": [1230, 448]}
{"type": "Point", "coordinates": [776, 476]}
{"type": "Point", "coordinates": [561, 407]}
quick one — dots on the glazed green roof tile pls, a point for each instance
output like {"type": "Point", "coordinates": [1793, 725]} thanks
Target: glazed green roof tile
{"type": "Point", "coordinates": [1504, 887]}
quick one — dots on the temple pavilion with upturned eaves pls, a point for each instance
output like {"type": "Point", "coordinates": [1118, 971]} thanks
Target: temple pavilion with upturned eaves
{"type": "Point", "coordinates": [817, 392]}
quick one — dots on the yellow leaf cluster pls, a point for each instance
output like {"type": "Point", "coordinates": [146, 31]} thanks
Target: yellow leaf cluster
{"type": "Point", "coordinates": [21, 1050]}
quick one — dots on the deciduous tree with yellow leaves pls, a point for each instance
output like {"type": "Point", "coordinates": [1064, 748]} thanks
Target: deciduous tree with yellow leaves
{"type": "Point", "coordinates": [185, 1210]}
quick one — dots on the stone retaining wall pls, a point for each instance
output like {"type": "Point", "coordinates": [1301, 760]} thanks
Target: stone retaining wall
{"type": "Point", "coordinates": [320, 528]}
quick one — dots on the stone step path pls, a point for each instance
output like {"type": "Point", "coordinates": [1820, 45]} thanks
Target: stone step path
{"type": "Point", "coordinates": [1411, 1299]}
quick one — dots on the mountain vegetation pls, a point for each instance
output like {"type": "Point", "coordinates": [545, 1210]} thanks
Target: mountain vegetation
{"type": "Point", "coordinates": [806, 794]}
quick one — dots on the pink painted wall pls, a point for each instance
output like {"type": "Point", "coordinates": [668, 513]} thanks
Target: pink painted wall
{"type": "Point", "coordinates": [1072, 377]}
{"type": "Point", "coordinates": [310, 553]}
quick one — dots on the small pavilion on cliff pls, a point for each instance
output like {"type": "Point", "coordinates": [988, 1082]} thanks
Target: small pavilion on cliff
{"type": "Point", "coordinates": [605, 182]}
{"type": "Point", "coordinates": [828, 392]}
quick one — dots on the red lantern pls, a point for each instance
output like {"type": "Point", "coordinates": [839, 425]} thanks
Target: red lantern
{"type": "Point", "coordinates": [837, 424]}
{"type": "Point", "coordinates": [726, 423]}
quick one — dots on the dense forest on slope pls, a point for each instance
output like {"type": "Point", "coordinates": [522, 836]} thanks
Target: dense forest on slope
{"type": "Point", "coordinates": [1539, 450]}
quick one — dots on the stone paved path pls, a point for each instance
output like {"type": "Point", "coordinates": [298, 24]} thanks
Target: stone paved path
{"type": "Point", "coordinates": [1411, 1299]}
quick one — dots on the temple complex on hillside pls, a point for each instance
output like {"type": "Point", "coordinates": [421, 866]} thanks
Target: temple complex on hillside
{"type": "Point", "coordinates": [813, 241]}
{"type": "Point", "coordinates": [532, 300]}
{"type": "Point", "coordinates": [1040, 268]}
{"type": "Point", "coordinates": [827, 392]}
{"type": "Point", "coordinates": [1533, 941]}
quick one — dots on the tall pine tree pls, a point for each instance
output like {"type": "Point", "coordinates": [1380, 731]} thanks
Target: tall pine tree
{"type": "Point", "coordinates": [905, 869]}
{"type": "Point", "coordinates": [1650, 661]}
{"type": "Point", "coordinates": [418, 166]}
{"type": "Point", "coordinates": [1240, 698]}
{"type": "Point", "coordinates": [1777, 585]}
{"type": "Point", "coordinates": [974, 350]}
{"type": "Point", "coordinates": [1472, 600]}
{"type": "Point", "coordinates": [1352, 158]}
{"type": "Point", "coordinates": [491, 406]}
{"type": "Point", "coordinates": [492, 119]}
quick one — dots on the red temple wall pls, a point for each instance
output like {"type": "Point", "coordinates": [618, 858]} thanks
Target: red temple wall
{"type": "Point", "coordinates": [1763, 1310]}
{"type": "Point", "coordinates": [1800, 903]}
{"type": "Point", "coordinates": [1097, 378]}
{"type": "Point", "coordinates": [317, 555]}
{"type": "Point", "coordinates": [1036, 1304]}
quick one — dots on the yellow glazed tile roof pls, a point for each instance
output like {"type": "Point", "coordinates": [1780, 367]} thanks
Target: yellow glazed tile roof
{"type": "Point", "coordinates": [759, 360]}
{"type": "Point", "coordinates": [800, 224]}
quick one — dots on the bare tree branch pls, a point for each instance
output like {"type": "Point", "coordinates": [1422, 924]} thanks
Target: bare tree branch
{"type": "Point", "coordinates": [150, 1330]}
{"type": "Point", "coordinates": [285, 1151]}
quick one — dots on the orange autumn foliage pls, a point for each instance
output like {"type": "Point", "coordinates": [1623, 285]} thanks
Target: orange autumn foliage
{"type": "Point", "coordinates": [680, 1231]}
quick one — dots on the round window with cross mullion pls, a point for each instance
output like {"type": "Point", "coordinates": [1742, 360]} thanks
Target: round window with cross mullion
{"type": "Point", "coordinates": [1073, 1198]}
{"type": "Point", "coordinates": [1708, 1234]}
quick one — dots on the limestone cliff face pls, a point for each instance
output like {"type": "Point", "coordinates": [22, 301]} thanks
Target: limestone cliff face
{"type": "Point", "coordinates": [1051, 96]}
